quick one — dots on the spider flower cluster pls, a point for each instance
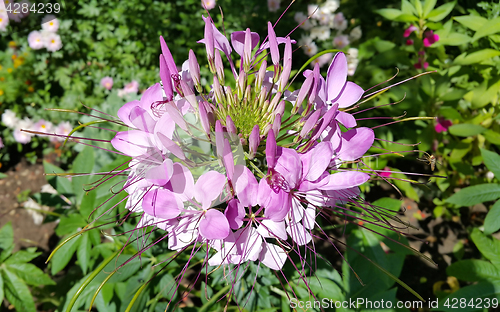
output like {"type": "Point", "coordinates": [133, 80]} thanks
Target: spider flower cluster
{"type": "Point", "coordinates": [246, 167]}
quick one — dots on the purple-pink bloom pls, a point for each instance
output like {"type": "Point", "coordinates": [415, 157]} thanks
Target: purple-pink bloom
{"type": "Point", "coordinates": [409, 30]}
{"type": "Point", "coordinates": [430, 38]}
{"type": "Point", "coordinates": [442, 125]}
{"type": "Point", "coordinates": [107, 82]}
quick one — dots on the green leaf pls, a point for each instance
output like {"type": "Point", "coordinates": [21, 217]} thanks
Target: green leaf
{"type": "Point", "coordinates": [489, 28]}
{"type": "Point", "coordinates": [17, 293]}
{"type": "Point", "coordinates": [84, 163]}
{"type": "Point", "coordinates": [64, 255]}
{"type": "Point", "coordinates": [88, 204]}
{"type": "Point", "coordinates": [492, 220]}
{"type": "Point", "coordinates": [389, 205]}
{"type": "Point", "coordinates": [83, 252]}
{"type": "Point", "coordinates": [70, 224]}
{"type": "Point", "coordinates": [6, 236]}
{"type": "Point", "coordinates": [488, 246]}
{"type": "Point", "coordinates": [454, 39]}
{"type": "Point", "coordinates": [492, 136]}
{"type": "Point", "coordinates": [390, 14]}
{"type": "Point", "coordinates": [406, 18]}
{"type": "Point", "coordinates": [22, 256]}
{"type": "Point", "coordinates": [61, 183]}
{"type": "Point", "coordinates": [475, 194]}
{"type": "Point", "coordinates": [441, 12]}
{"type": "Point", "coordinates": [408, 8]}
{"type": "Point", "coordinates": [492, 161]}
{"type": "Point", "coordinates": [1, 288]}
{"type": "Point", "coordinates": [30, 274]}
{"type": "Point", "coordinates": [484, 289]}
{"type": "Point", "coordinates": [485, 93]}
{"type": "Point", "coordinates": [428, 6]}
{"type": "Point", "coordinates": [476, 57]}
{"type": "Point", "coordinates": [473, 22]}
{"type": "Point", "coordinates": [465, 130]}
{"type": "Point", "coordinates": [473, 270]}
{"type": "Point", "coordinates": [418, 7]}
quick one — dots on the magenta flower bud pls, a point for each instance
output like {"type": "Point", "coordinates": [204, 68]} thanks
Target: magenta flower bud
{"type": "Point", "coordinates": [231, 128]}
{"type": "Point", "coordinates": [276, 124]}
{"type": "Point", "coordinates": [219, 67]}
{"type": "Point", "coordinates": [261, 75]}
{"type": "Point", "coordinates": [315, 86]}
{"type": "Point", "coordinates": [409, 30]}
{"type": "Point", "coordinates": [271, 148]}
{"type": "Point", "coordinates": [189, 94]}
{"type": "Point", "coordinates": [166, 79]}
{"type": "Point", "coordinates": [310, 123]}
{"type": "Point", "coordinates": [219, 93]}
{"type": "Point", "coordinates": [254, 141]}
{"type": "Point", "coordinates": [303, 92]}
{"type": "Point", "coordinates": [281, 108]}
{"type": "Point", "coordinates": [172, 68]}
{"type": "Point", "coordinates": [409, 42]}
{"type": "Point", "coordinates": [209, 43]}
{"type": "Point", "coordinates": [273, 44]}
{"type": "Point", "coordinates": [242, 81]}
{"type": "Point", "coordinates": [247, 50]}
{"type": "Point", "coordinates": [219, 138]}
{"type": "Point", "coordinates": [194, 69]}
{"type": "Point", "coordinates": [205, 123]}
{"type": "Point", "coordinates": [287, 65]}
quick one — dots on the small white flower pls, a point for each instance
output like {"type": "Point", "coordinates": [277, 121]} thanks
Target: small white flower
{"type": "Point", "coordinates": [340, 41]}
{"type": "Point", "coordinates": [339, 22]}
{"type": "Point", "coordinates": [9, 118]}
{"type": "Point", "coordinates": [50, 23]}
{"type": "Point", "coordinates": [273, 5]}
{"type": "Point", "coordinates": [21, 136]}
{"type": "Point", "coordinates": [301, 17]}
{"type": "Point", "coordinates": [330, 6]}
{"type": "Point", "coordinates": [321, 33]}
{"type": "Point", "coordinates": [310, 49]}
{"type": "Point", "coordinates": [4, 21]}
{"type": "Point", "coordinates": [52, 42]}
{"type": "Point", "coordinates": [490, 175]}
{"type": "Point", "coordinates": [35, 40]}
{"type": "Point", "coordinates": [356, 33]}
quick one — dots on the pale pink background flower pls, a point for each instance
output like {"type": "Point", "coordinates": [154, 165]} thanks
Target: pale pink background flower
{"type": "Point", "coordinates": [50, 23]}
{"type": "Point", "coordinates": [23, 15]}
{"type": "Point", "coordinates": [52, 41]}
{"type": "Point", "coordinates": [9, 118]}
{"type": "Point", "coordinates": [273, 5]}
{"type": "Point", "coordinates": [208, 4]}
{"type": "Point", "coordinates": [131, 87]}
{"type": "Point", "coordinates": [63, 128]}
{"type": "Point", "coordinates": [43, 126]}
{"type": "Point", "coordinates": [340, 41]}
{"type": "Point", "coordinates": [107, 82]}
{"type": "Point", "coordinates": [4, 21]}
{"type": "Point", "coordinates": [339, 22]}
{"type": "Point", "coordinates": [1, 143]}
{"type": "Point", "coordinates": [301, 17]}
{"type": "Point", "coordinates": [21, 136]}
{"type": "Point", "coordinates": [35, 40]}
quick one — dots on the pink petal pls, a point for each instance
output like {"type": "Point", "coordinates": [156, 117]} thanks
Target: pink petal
{"type": "Point", "coordinates": [273, 256]}
{"type": "Point", "coordinates": [276, 204]}
{"type": "Point", "coordinates": [235, 212]}
{"type": "Point", "coordinates": [345, 180]}
{"type": "Point", "coordinates": [355, 143]}
{"type": "Point", "coordinates": [124, 112]}
{"type": "Point", "coordinates": [238, 41]}
{"type": "Point", "coordinates": [151, 95]}
{"type": "Point", "coordinates": [208, 187]}
{"type": "Point", "coordinates": [245, 185]}
{"type": "Point", "coordinates": [162, 204]}
{"type": "Point", "coordinates": [161, 174]}
{"type": "Point", "coordinates": [132, 143]}
{"type": "Point", "coordinates": [350, 94]}
{"type": "Point", "coordinates": [214, 225]}
{"type": "Point", "coordinates": [315, 161]}
{"type": "Point", "coordinates": [141, 119]}
{"type": "Point", "coordinates": [346, 119]}
{"type": "Point", "coordinates": [272, 229]}
{"type": "Point", "coordinates": [181, 182]}
{"type": "Point", "coordinates": [336, 76]}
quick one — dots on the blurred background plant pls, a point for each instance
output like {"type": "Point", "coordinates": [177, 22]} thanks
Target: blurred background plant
{"type": "Point", "coordinates": [109, 55]}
